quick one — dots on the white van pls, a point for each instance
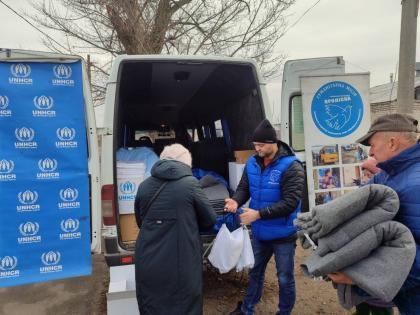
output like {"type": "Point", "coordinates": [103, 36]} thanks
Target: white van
{"type": "Point", "coordinates": [211, 105]}
{"type": "Point", "coordinates": [26, 56]}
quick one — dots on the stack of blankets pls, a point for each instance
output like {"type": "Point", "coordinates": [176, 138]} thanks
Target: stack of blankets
{"type": "Point", "coordinates": [216, 191]}
{"type": "Point", "coordinates": [355, 234]}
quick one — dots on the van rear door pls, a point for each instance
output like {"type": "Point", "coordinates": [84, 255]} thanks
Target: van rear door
{"type": "Point", "coordinates": [291, 96]}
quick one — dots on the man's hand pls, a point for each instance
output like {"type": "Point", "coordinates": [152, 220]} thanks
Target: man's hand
{"type": "Point", "coordinates": [249, 216]}
{"type": "Point", "coordinates": [230, 205]}
{"type": "Point", "coordinates": [340, 277]}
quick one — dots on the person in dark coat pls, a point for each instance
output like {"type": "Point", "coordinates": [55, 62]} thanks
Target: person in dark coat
{"type": "Point", "coordinates": [168, 260]}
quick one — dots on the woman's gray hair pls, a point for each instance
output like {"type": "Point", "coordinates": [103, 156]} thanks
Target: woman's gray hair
{"type": "Point", "coordinates": [178, 153]}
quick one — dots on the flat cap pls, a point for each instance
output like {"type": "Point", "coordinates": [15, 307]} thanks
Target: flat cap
{"type": "Point", "coordinates": [390, 122]}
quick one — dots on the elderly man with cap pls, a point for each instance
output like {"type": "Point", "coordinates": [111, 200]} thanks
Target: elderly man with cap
{"type": "Point", "coordinates": [274, 180]}
{"type": "Point", "coordinates": [393, 143]}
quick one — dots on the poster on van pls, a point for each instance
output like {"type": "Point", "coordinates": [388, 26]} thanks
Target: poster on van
{"type": "Point", "coordinates": [44, 200]}
{"type": "Point", "coordinates": [336, 112]}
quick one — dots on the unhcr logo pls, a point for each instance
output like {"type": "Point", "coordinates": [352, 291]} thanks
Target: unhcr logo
{"type": "Point", "coordinates": [6, 170]}
{"type": "Point", "coordinates": [44, 106]}
{"type": "Point", "coordinates": [69, 194]}
{"type": "Point", "coordinates": [20, 70]}
{"type": "Point", "coordinates": [4, 103]}
{"type": "Point", "coordinates": [70, 227]}
{"type": "Point", "coordinates": [127, 191]}
{"type": "Point", "coordinates": [47, 167]}
{"type": "Point", "coordinates": [43, 102]}
{"type": "Point", "coordinates": [69, 198]}
{"type": "Point", "coordinates": [127, 187]}
{"type": "Point", "coordinates": [25, 136]}
{"type": "Point", "coordinates": [27, 200]}
{"type": "Point", "coordinates": [8, 263]}
{"type": "Point", "coordinates": [66, 135]}
{"type": "Point", "coordinates": [28, 197]}
{"type": "Point", "coordinates": [8, 267]}
{"type": "Point", "coordinates": [29, 228]}
{"type": "Point", "coordinates": [29, 231]}
{"type": "Point", "coordinates": [51, 258]}
{"type": "Point", "coordinates": [20, 74]}
{"type": "Point", "coordinates": [50, 261]}
{"type": "Point", "coordinates": [6, 166]}
{"type": "Point", "coordinates": [62, 73]}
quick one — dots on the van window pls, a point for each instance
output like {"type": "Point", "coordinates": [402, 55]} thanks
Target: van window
{"type": "Point", "coordinates": [297, 139]}
{"type": "Point", "coordinates": [219, 128]}
{"type": "Point", "coordinates": [417, 93]}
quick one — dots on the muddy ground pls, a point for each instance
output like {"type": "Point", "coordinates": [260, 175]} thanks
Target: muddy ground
{"type": "Point", "coordinates": [221, 293]}
{"type": "Point", "coordinates": [86, 295]}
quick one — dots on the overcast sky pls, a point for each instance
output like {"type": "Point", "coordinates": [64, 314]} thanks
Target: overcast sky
{"type": "Point", "coordinates": [364, 32]}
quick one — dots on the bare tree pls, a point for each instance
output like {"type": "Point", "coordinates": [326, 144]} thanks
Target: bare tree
{"type": "Point", "coordinates": [236, 28]}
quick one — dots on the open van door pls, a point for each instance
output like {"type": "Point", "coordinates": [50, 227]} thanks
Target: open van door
{"type": "Point", "coordinates": [49, 168]}
{"type": "Point", "coordinates": [292, 126]}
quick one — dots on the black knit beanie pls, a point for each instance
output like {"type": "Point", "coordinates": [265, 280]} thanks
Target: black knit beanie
{"type": "Point", "coordinates": [264, 133]}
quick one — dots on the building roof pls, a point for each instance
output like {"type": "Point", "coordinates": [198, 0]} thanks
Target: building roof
{"type": "Point", "coordinates": [387, 92]}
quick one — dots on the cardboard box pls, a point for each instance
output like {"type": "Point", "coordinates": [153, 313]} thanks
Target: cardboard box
{"type": "Point", "coordinates": [121, 297]}
{"type": "Point", "coordinates": [242, 156]}
{"type": "Point", "coordinates": [128, 227]}
{"type": "Point", "coordinates": [235, 174]}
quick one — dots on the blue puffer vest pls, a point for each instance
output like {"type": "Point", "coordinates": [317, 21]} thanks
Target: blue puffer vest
{"type": "Point", "coordinates": [264, 188]}
{"type": "Point", "coordinates": [402, 173]}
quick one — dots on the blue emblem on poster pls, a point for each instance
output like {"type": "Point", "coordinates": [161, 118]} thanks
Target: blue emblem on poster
{"type": "Point", "coordinates": [337, 109]}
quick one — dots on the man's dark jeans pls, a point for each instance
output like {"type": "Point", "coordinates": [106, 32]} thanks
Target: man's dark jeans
{"type": "Point", "coordinates": [284, 256]}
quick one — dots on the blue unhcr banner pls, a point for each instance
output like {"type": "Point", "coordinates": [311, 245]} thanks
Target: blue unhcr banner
{"type": "Point", "coordinates": [44, 192]}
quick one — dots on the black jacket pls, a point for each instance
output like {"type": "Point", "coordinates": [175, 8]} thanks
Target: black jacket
{"type": "Point", "coordinates": [292, 185]}
{"type": "Point", "coordinates": [168, 249]}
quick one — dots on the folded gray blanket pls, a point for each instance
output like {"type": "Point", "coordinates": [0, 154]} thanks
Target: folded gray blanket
{"type": "Point", "coordinates": [384, 271]}
{"type": "Point", "coordinates": [340, 220]}
{"type": "Point", "coordinates": [355, 235]}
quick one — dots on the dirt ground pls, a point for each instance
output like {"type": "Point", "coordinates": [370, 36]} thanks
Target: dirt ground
{"type": "Point", "coordinates": [222, 292]}
{"type": "Point", "coordinates": [73, 296]}
{"type": "Point", "coordinates": [86, 295]}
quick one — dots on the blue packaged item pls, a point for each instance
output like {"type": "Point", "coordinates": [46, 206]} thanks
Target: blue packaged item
{"type": "Point", "coordinates": [200, 173]}
{"type": "Point", "coordinates": [231, 220]}
{"type": "Point", "coordinates": [142, 154]}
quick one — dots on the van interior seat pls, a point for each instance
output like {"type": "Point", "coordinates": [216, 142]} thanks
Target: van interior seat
{"type": "Point", "coordinates": [211, 155]}
{"type": "Point", "coordinates": [144, 141]}
{"type": "Point", "coordinates": [160, 144]}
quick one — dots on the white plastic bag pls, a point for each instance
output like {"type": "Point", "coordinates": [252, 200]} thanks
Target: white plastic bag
{"type": "Point", "coordinates": [246, 260]}
{"type": "Point", "coordinates": [227, 249]}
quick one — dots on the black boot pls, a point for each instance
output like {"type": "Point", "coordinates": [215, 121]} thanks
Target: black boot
{"type": "Point", "coordinates": [237, 310]}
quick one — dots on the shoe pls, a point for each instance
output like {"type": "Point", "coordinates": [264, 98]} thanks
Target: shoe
{"type": "Point", "coordinates": [237, 310]}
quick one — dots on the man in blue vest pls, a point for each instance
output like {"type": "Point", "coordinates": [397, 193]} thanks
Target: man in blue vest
{"type": "Point", "coordinates": [393, 143]}
{"type": "Point", "coordinates": [274, 180]}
